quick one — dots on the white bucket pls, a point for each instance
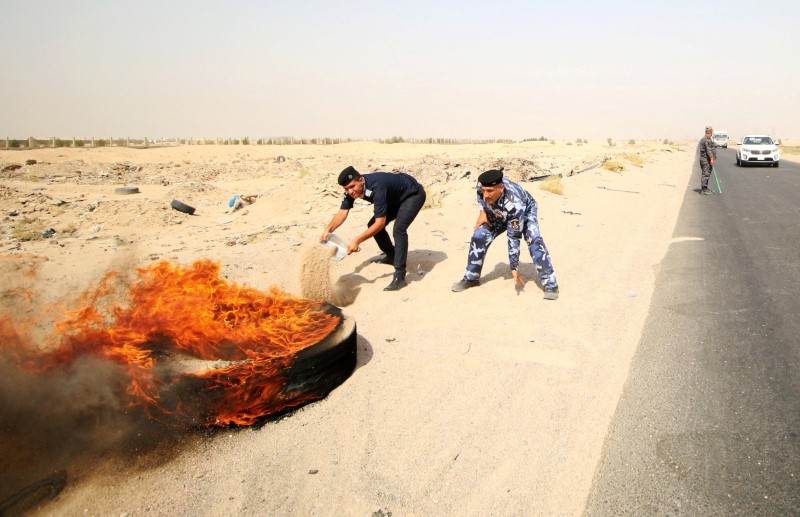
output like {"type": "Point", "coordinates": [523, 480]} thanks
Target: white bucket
{"type": "Point", "coordinates": [334, 241]}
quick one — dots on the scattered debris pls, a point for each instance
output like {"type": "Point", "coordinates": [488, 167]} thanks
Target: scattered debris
{"type": "Point", "coordinates": [540, 178]}
{"type": "Point", "coordinates": [619, 190]}
{"type": "Point", "coordinates": [592, 166]}
{"type": "Point", "coordinates": [119, 168]}
{"type": "Point", "coordinates": [12, 167]}
{"type": "Point", "coordinates": [570, 212]}
{"type": "Point", "coordinates": [30, 162]}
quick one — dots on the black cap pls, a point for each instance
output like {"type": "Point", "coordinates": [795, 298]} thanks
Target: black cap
{"type": "Point", "coordinates": [491, 177]}
{"type": "Point", "coordinates": [348, 175]}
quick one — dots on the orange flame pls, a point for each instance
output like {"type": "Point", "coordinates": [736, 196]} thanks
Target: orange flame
{"type": "Point", "coordinates": [177, 320]}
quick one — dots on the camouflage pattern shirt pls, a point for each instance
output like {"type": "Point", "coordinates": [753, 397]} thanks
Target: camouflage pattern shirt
{"type": "Point", "coordinates": [706, 149]}
{"type": "Point", "coordinates": [509, 213]}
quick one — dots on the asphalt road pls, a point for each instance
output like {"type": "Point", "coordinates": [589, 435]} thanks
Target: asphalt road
{"type": "Point", "coordinates": [709, 422]}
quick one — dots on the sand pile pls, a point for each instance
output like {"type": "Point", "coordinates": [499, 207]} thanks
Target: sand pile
{"type": "Point", "coordinates": [315, 275]}
{"type": "Point", "coordinates": [315, 278]}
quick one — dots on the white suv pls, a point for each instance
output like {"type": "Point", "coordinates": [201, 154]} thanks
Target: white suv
{"type": "Point", "coordinates": [757, 149]}
{"type": "Point", "coordinates": [720, 139]}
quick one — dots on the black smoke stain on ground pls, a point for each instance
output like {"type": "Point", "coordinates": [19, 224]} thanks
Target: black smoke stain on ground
{"type": "Point", "coordinates": [75, 420]}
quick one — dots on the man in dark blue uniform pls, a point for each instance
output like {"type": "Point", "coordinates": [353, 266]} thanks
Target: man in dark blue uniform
{"type": "Point", "coordinates": [707, 153]}
{"type": "Point", "coordinates": [507, 207]}
{"type": "Point", "coordinates": [397, 197]}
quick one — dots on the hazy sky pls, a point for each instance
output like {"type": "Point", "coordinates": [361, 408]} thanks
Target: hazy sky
{"type": "Point", "coordinates": [363, 69]}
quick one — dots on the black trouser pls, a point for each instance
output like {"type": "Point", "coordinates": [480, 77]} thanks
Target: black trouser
{"type": "Point", "coordinates": [705, 173]}
{"type": "Point", "coordinates": [402, 217]}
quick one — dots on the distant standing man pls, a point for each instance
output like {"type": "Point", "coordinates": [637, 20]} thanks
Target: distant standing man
{"type": "Point", "coordinates": [397, 197]}
{"type": "Point", "coordinates": [707, 152]}
{"type": "Point", "coordinates": [507, 207]}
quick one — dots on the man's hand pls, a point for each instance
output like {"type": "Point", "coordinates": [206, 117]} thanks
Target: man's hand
{"type": "Point", "coordinates": [352, 246]}
{"type": "Point", "coordinates": [482, 219]}
{"type": "Point", "coordinates": [518, 278]}
{"type": "Point", "coordinates": [324, 236]}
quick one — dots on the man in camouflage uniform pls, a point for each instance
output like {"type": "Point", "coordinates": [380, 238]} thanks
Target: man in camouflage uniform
{"type": "Point", "coordinates": [707, 152]}
{"type": "Point", "coordinates": [507, 207]}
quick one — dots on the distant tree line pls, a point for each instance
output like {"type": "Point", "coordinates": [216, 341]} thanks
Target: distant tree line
{"type": "Point", "coordinates": [32, 142]}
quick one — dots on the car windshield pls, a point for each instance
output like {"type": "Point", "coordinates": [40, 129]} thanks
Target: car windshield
{"type": "Point", "coordinates": [757, 140]}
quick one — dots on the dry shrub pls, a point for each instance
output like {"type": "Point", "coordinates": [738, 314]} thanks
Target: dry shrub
{"type": "Point", "coordinates": [553, 184]}
{"type": "Point", "coordinates": [28, 229]}
{"type": "Point", "coordinates": [613, 165]}
{"type": "Point", "coordinates": [635, 159]}
{"type": "Point", "coordinates": [27, 235]}
{"type": "Point", "coordinates": [69, 229]}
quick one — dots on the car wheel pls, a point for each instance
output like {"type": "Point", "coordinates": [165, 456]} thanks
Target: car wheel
{"type": "Point", "coordinates": [777, 164]}
{"type": "Point", "coordinates": [738, 161]}
{"type": "Point", "coordinates": [182, 207]}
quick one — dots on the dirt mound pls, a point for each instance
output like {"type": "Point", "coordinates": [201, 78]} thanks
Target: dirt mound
{"type": "Point", "coordinates": [194, 190]}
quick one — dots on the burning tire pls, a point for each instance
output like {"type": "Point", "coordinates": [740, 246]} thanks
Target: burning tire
{"type": "Point", "coordinates": [182, 207]}
{"type": "Point", "coordinates": [199, 351]}
{"type": "Point", "coordinates": [322, 367]}
{"type": "Point", "coordinates": [241, 393]}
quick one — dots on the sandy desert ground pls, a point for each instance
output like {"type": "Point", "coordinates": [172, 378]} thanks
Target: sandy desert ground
{"type": "Point", "coordinates": [487, 402]}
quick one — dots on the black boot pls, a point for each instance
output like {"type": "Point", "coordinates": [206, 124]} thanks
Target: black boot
{"type": "Point", "coordinates": [398, 282]}
{"type": "Point", "coordinates": [383, 259]}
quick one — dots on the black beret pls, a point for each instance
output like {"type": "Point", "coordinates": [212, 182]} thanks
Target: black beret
{"type": "Point", "coordinates": [491, 178]}
{"type": "Point", "coordinates": [348, 175]}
